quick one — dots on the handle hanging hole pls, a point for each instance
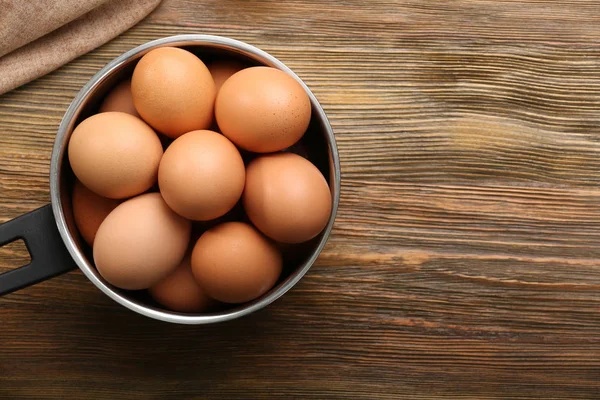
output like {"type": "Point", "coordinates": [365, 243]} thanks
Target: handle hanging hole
{"type": "Point", "coordinates": [14, 255]}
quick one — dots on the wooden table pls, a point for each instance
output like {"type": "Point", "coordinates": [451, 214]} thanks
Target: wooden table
{"type": "Point", "coordinates": [465, 261]}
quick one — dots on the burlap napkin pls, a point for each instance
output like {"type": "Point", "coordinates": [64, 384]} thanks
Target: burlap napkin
{"type": "Point", "coordinates": [38, 36]}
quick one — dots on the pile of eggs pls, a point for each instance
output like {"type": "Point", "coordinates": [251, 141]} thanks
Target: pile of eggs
{"type": "Point", "coordinates": [166, 199]}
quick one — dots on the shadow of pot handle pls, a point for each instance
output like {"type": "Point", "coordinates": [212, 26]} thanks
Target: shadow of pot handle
{"type": "Point", "coordinates": [49, 256]}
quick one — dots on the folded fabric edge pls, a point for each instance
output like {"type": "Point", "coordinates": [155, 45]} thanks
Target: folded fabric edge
{"type": "Point", "coordinates": [71, 41]}
{"type": "Point", "coordinates": [17, 21]}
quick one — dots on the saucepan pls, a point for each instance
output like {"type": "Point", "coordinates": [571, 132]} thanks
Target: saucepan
{"type": "Point", "coordinates": [50, 233]}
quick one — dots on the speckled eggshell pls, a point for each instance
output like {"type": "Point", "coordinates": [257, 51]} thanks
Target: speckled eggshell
{"type": "Point", "coordinates": [234, 263]}
{"type": "Point", "coordinates": [140, 242]}
{"type": "Point", "coordinates": [114, 154]}
{"type": "Point", "coordinates": [89, 210]}
{"type": "Point", "coordinates": [262, 109]}
{"type": "Point", "coordinates": [120, 99]}
{"type": "Point", "coordinates": [180, 292]}
{"type": "Point", "coordinates": [286, 197]}
{"type": "Point", "coordinates": [201, 175]}
{"type": "Point", "coordinates": [173, 91]}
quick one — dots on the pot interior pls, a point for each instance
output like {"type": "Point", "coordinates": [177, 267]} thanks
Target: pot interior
{"type": "Point", "coordinates": [317, 145]}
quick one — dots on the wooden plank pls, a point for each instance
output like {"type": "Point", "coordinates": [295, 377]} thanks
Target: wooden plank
{"type": "Point", "coordinates": [464, 263]}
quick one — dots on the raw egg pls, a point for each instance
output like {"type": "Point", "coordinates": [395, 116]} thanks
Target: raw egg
{"type": "Point", "coordinates": [234, 263]}
{"type": "Point", "coordinates": [173, 91]}
{"type": "Point", "coordinates": [201, 175]}
{"type": "Point", "coordinates": [262, 109]}
{"type": "Point", "coordinates": [221, 70]}
{"type": "Point", "coordinates": [140, 242]}
{"type": "Point", "coordinates": [89, 210]}
{"type": "Point", "coordinates": [286, 197]}
{"type": "Point", "coordinates": [120, 99]}
{"type": "Point", "coordinates": [180, 292]}
{"type": "Point", "coordinates": [114, 154]}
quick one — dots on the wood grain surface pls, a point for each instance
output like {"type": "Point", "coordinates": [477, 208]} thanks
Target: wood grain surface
{"type": "Point", "coordinates": [465, 261]}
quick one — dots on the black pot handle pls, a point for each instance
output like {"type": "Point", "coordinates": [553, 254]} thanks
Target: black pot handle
{"type": "Point", "coordinates": [49, 256]}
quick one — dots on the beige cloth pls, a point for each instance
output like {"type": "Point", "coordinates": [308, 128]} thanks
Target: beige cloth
{"type": "Point", "coordinates": [38, 36]}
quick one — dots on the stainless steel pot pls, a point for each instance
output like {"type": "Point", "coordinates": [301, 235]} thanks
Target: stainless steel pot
{"type": "Point", "coordinates": [50, 234]}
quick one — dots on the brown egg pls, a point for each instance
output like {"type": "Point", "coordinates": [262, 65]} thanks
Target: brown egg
{"type": "Point", "coordinates": [120, 99]}
{"type": "Point", "coordinates": [202, 175]}
{"type": "Point", "coordinates": [140, 242]}
{"type": "Point", "coordinates": [286, 197]}
{"type": "Point", "coordinates": [262, 109]}
{"type": "Point", "coordinates": [234, 263]}
{"type": "Point", "coordinates": [173, 91]}
{"type": "Point", "coordinates": [89, 210]}
{"type": "Point", "coordinates": [235, 214]}
{"type": "Point", "coordinates": [114, 154]}
{"type": "Point", "coordinates": [180, 292]}
{"type": "Point", "coordinates": [221, 70]}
